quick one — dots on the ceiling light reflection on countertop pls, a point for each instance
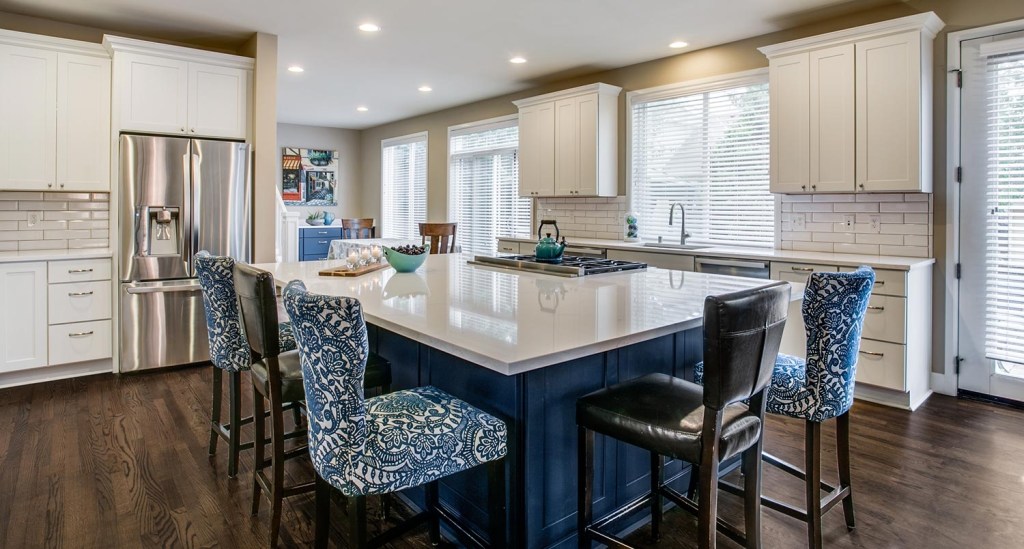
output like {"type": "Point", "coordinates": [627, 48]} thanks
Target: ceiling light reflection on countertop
{"type": "Point", "coordinates": [425, 88]}
{"type": "Point", "coordinates": [517, 60]}
{"type": "Point", "coordinates": [369, 27]}
{"type": "Point", "coordinates": [678, 44]}
{"type": "Point", "coordinates": [362, 109]}
{"type": "Point", "coordinates": [296, 68]}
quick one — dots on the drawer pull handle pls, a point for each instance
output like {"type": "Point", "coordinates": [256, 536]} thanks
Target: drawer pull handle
{"type": "Point", "coordinates": [321, 242]}
{"type": "Point", "coordinates": [79, 294]}
{"type": "Point", "coordinates": [80, 334]}
{"type": "Point", "coordinates": [879, 283]}
{"type": "Point", "coordinates": [869, 353]}
{"type": "Point", "coordinates": [76, 271]}
{"type": "Point", "coordinates": [875, 308]}
{"type": "Point", "coordinates": [803, 269]}
{"type": "Point", "coordinates": [322, 232]}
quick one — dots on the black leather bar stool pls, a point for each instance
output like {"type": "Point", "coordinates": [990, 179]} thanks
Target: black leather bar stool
{"type": "Point", "coordinates": [277, 378]}
{"type": "Point", "coordinates": [672, 417]}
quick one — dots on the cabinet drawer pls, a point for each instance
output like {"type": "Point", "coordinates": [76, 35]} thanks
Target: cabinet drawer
{"type": "Point", "coordinates": [882, 364]}
{"type": "Point", "coordinates": [506, 247]}
{"type": "Point", "coordinates": [321, 232]}
{"type": "Point", "coordinates": [79, 270]}
{"type": "Point", "coordinates": [887, 282]}
{"type": "Point", "coordinates": [79, 301]}
{"type": "Point", "coordinates": [798, 272]}
{"type": "Point", "coordinates": [79, 342]}
{"type": "Point", "coordinates": [314, 246]}
{"type": "Point", "coordinates": [885, 319]}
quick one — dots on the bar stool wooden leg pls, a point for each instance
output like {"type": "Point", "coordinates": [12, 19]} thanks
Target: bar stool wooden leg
{"type": "Point", "coordinates": [259, 436]}
{"type": "Point", "coordinates": [707, 511]}
{"type": "Point", "coordinates": [277, 466]}
{"type": "Point", "coordinates": [812, 470]}
{"type": "Point", "coordinates": [496, 508]}
{"type": "Point", "coordinates": [585, 485]}
{"type": "Point", "coordinates": [656, 501]}
{"type": "Point", "coordinates": [843, 452]}
{"type": "Point", "coordinates": [357, 522]}
{"type": "Point", "coordinates": [752, 495]}
{"type": "Point", "coordinates": [433, 520]}
{"type": "Point", "coordinates": [323, 513]}
{"type": "Point", "coordinates": [235, 430]}
{"type": "Point", "coordinates": [218, 376]}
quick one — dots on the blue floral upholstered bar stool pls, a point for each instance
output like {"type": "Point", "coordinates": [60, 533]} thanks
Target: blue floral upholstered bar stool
{"type": "Point", "coordinates": [820, 388]}
{"type": "Point", "coordinates": [229, 350]}
{"type": "Point", "coordinates": [387, 443]}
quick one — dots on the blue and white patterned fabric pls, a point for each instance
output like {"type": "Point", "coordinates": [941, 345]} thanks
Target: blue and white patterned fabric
{"type": "Point", "coordinates": [387, 443]}
{"type": "Point", "coordinates": [229, 348]}
{"type": "Point", "coordinates": [822, 387]}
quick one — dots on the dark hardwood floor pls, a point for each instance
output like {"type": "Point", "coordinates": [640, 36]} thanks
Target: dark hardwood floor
{"type": "Point", "coordinates": [121, 462]}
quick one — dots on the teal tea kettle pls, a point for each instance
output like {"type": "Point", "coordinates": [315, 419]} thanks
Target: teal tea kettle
{"type": "Point", "coordinates": [549, 249]}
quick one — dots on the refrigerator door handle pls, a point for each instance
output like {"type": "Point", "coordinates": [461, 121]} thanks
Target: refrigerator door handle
{"type": "Point", "coordinates": [196, 189]}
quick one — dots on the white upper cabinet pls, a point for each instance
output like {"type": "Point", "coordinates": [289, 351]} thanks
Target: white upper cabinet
{"type": "Point", "coordinates": [173, 90]}
{"type": "Point", "coordinates": [55, 121]}
{"type": "Point", "coordinates": [568, 142]}
{"type": "Point", "coordinates": [83, 123]}
{"type": "Point", "coordinates": [851, 110]}
{"type": "Point", "coordinates": [28, 117]}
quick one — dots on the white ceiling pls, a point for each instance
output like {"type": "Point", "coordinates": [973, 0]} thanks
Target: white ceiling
{"type": "Point", "coordinates": [459, 47]}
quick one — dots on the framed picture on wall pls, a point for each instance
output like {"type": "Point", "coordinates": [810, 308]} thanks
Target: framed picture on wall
{"type": "Point", "coordinates": [309, 177]}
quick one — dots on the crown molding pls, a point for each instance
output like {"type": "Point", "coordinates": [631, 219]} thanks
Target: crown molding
{"type": "Point", "coordinates": [927, 24]}
{"type": "Point", "coordinates": [120, 44]}
{"type": "Point", "coordinates": [600, 88]}
{"type": "Point", "coordinates": [64, 45]}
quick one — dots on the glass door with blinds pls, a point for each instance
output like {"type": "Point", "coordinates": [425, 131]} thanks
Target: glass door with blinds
{"type": "Point", "coordinates": [704, 146]}
{"type": "Point", "coordinates": [483, 184]}
{"type": "Point", "coordinates": [403, 185]}
{"type": "Point", "coordinates": [991, 308]}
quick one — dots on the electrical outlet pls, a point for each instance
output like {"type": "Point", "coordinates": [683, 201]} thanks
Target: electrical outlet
{"type": "Point", "coordinates": [876, 223]}
{"type": "Point", "coordinates": [799, 222]}
{"type": "Point", "coordinates": [849, 220]}
{"type": "Point", "coordinates": [33, 219]}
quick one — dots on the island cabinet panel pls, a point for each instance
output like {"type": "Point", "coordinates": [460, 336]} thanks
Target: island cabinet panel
{"type": "Point", "coordinates": [539, 407]}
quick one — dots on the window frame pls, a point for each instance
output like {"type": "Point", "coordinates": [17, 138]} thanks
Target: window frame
{"type": "Point", "coordinates": [496, 122]}
{"type": "Point", "coordinates": [687, 87]}
{"type": "Point", "coordinates": [403, 140]}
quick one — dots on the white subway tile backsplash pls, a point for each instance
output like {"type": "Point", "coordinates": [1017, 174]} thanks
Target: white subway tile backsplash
{"type": "Point", "coordinates": [916, 240]}
{"type": "Point", "coordinates": [917, 197]}
{"type": "Point", "coordinates": [61, 197]}
{"type": "Point", "coordinates": [866, 249]}
{"type": "Point", "coordinates": [797, 198]}
{"type": "Point", "coordinates": [8, 205]}
{"type": "Point", "coordinates": [905, 251]}
{"type": "Point", "coordinates": [12, 216]}
{"type": "Point", "coordinates": [88, 206]}
{"type": "Point", "coordinates": [44, 226]}
{"type": "Point", "coordinates": [105, 214]}
{"type": "Point", "coordinates": [21, 235]}
{"type": "Point", "coordinates": [848, 238]}
{"type": "Point", "coordinates": [11, 246]}
{"type": "Point", "coordinates": [797, 236]}
{"type": "Point", "coordinates": [20, 195]}
{"type": "Point", "coordinates": [856, 207]}
{"type": "Point", "coordinates": [879, 197]}
{"type": "Point", "coordinates": [8, 225]}
{"type": "Point", "coordinates": [66, 235]}
{"type": "Point", "coordinates": [813, 246]}
{"type": "Point", "coordinates": [30, 205]}
{"type": "Point", "coordinates": [832, 198]}
{"type": "Point", "coordinates": [905, 228]}
{"type": "Point", "coordinates": [54, 225]}
{"type": "Point", "coordinates": [918, 218]}
{"type": "Point", "coordinates": [905, 207]}
{"type": "Point", "coordinates": [42, 245]}
{"type": "Point", "coordinates": [65, 215]}
{"type": "Point", "coordinates": [88, 243]}
{"type": "Point", "coordinates": [812, 207]}
{"type": "Point", "coordinates": [888, 239]}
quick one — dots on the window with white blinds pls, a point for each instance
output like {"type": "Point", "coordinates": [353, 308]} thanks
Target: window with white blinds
{"type": "Point", "coordinates": [1004, 230]}
{"type": "Point", "coordinates": [403, 185]}
{"type": "Point", "coordinates": [704, 146]}
{"type": "Point", "coordinates": [483, 184]}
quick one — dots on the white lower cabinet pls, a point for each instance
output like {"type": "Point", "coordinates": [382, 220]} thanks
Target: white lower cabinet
{"type": "Point", "coordinates": [79, 342]}
{"type": "Point", "coordinates": [79, 302]}
{"type": "Point", "coordinates": [22, 316]}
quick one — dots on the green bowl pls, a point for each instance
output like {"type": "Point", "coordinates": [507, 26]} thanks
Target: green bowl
{"type": "Point", "coordinates": [405, 263]}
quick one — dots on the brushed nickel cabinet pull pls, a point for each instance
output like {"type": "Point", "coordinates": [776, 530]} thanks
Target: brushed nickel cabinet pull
{"type": "Point", "coordinates": [76, 271]}
{"type": "Point", "coordinates": [879, 283]}
{"type": "Point", "coordinates": [322, 242]}
{"type": "Point", "coordinates": [869, 353]}
{"type": "Point", "coordinates": [80, 334]}
{"type": "Point", "coordinates": [804, 269]}
{"type": "Point", "coordinates": [875, 308]}
{"type": "Point", "coordinates": [79, 294]}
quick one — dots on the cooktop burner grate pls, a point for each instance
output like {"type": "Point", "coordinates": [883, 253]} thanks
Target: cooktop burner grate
{"type": "Point", "coordinates": [570, 266]}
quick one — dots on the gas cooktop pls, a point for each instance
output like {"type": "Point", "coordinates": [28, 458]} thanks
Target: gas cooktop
{"type": "Point", "coordinates": [570, 266]}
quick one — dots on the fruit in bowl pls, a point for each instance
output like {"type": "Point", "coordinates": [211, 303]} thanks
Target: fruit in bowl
{"type": "Point", "coordinates": [406, 259]}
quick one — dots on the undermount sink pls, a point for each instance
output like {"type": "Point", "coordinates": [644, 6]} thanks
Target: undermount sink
{"type": "Point", "coordinates": [675, 246]}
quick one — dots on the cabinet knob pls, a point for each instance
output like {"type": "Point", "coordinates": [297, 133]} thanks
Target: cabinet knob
{"type": "Point", "coordinates": [814, 187]}
{"type": "Point", "coordinates": [193, 130]}
{"type": "Point", "coordinates": [862, 186]}
{"type": "Point", "coordinates": [183, 130]}
{"type": "Point", "coordinates": [49, 184]}
{"type": "Point", "coordinates": [803, 187]}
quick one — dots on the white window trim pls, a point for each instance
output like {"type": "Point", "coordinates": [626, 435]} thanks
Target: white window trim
{"type": "Point", "coordinates": [945, 382]}
{"type": "Point", "coordinates": [468, 127]}
{"type": "Point", "coordinates": [722, 81]}
{"type": "Point", "coordinates": [402, 140]}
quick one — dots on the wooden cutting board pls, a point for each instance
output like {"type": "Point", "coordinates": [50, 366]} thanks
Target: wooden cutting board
{"type": "Point", "coordinates": [345, 271]}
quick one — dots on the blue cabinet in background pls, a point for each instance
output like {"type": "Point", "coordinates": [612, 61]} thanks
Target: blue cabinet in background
{"type": "Point", "coordinates": [314, 242]}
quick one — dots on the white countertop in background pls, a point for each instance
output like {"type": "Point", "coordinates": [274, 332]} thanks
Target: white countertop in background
{"type": "Point", "coordinates": [512, 322]}
{"type": "Point", "coordinates": [54, 255]}
{"type": "Point", "coordinates": [771, 254]}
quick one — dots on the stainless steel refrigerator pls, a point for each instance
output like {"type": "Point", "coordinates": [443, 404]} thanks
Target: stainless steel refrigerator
{"type": "Point", "coordinates": [178, 196]}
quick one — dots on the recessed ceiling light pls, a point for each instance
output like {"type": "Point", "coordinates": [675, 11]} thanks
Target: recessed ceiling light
{"type": "Point", "coordinates": [678, 44]}
{"type": "Point", "coordinates": [517, 60]}
{"type": "Point", "coordinates": [369, 27]}
{"type": "Point", "coordinates": [362, 109]}
{"type": "Point", "coordinates": [295, 68]}
{"type": "Point", "coordinates": [425, 88]}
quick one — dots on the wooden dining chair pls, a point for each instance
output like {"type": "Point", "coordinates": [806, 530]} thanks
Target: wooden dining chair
{"type": "Point", "coordinates": [441, 235]}
{"type": "Point", "coordinates": [358, 228]}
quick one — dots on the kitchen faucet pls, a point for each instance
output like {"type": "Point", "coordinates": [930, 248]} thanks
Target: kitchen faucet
{"type": "Point", "coordinates": [683, 235]}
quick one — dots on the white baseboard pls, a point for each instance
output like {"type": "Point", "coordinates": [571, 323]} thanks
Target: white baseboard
{"type": "Point", "coordinates": [53, 373]}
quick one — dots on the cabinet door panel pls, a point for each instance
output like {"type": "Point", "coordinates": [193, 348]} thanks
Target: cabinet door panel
{"type": "Point", "coordinates": [831, 119]}
{"type": "Point", "coordinates": [789, 95]}
{"type": "Point", "coordinates": [83, 123]}
{"type": "Point", "coordinates": [889, 113]}
{"type": "Point", "coordinates": [587, 118]}
{"type": "Point", "coordinates": [537, 150]}
{"type": "Point", "coordinates": [23, 323]}
{"type": "Point", "coordinates": [567, 158]}
{"type": "Point", "coordinates": [217, 101]}
{"type": "Point", "coordinates": [28, 118]}
{"type": "Point", "coordinates": [155, 93]}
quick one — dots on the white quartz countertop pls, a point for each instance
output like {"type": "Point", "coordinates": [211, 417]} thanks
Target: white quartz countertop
{"type": "Point", "coordinates": [54, 255]}
{"type": "Point", "coordinates": [512, 322]}
{"type": "Point", "coordinates": [770, 254]}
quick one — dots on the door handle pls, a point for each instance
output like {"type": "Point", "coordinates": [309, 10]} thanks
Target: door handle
{"type": "Point", "coordinates": [79, 294]}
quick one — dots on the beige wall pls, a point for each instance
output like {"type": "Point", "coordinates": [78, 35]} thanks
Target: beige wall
{"type": "Point", "coordinates": [347, 143]}
{"type": "Point", "coordinates": [263, 136]}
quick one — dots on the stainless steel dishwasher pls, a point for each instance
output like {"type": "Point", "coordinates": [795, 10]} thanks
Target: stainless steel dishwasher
{"type": "Point", "coordinates": [732, 267]}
